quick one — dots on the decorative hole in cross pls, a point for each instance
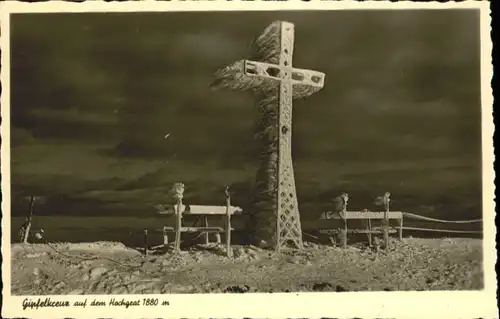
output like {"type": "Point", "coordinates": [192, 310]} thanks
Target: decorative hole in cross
{"type": "Point", "coordinates": [251, 68]}
{"type": "Point", "coordinates": [284, 129]}
{"type": "Point", "coordinates": [274, 72]}
{"type": "Point", "coordinates": [297, 76]}
{"type": "Point", "coordinates": [315, 78]}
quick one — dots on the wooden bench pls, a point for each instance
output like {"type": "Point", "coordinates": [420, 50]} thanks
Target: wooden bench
{"type": "Point", "coordinates": [191, 229]}
{"type": "Point", "coordinates": [203, 211]}
{"type": "Point", "coordinates": [367, 216]}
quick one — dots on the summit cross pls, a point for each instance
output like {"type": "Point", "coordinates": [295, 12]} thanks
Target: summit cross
{"type": "Point", "coordinates": [269, 74]}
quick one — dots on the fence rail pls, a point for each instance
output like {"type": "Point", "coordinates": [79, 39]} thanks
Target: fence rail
{"type": "Point", "coordinates": [443, 230]}
{"type": "Point", "coordinates": [368, 216]}
{"type": "Point", "coordinates": [424, 218]}
{"type": "Point", "coordinates": [429, 219]}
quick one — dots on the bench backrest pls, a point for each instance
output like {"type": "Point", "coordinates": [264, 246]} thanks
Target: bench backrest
{"type": "Point", "coordinates": [202, 210]}
{"type": "Point", "coordinates": [212, 210]}
{"type": "Point", "coordinates": [361, 215]}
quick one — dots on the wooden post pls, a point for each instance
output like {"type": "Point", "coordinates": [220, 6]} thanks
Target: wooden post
{"type": "Point", "coordinates": [369, 234]}
{"type": "Point", "coordinates": [344, 239]}
{"type": "Point", "coordinates": [332, 241]}
{"type": "Point", "coordinates": [165, 238]}
{"type": "Point", "coordinates": [377, 244]}
{"type": "Point", "coordinates": [386, 229]}
{"type": "Point", "coordinates": [27, 223]}
{"type": "Point", "coordinates": [401, 228]}
{"type": "Point", "coordinates": [178, 225]}
{"type": "Point", "coordinates": [178, 192]}
{"type": "Point", "coordinates": [205, 224]}
{"type": "Point", "coordinates": [386, 220]}
{"type": "Point", "coordinates": [345, 199]}
{"type": "Point", "coordinates": [228, 223]}
{"type": "Point", "coordinates": [145, 242]}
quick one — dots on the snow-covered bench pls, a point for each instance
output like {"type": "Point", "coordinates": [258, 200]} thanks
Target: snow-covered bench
{"type": "Point", "coordinates": [180, 210]}
{"type": "Point", "coordinates": [367, 217]}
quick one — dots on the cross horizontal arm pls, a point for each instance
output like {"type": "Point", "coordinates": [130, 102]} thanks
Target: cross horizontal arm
{"type": "Point", "coordinates": [234, 77]}
{"type": "Point", "coordinates": [298, 76]}
{"type": "Point", "coordinates": [254, 75]}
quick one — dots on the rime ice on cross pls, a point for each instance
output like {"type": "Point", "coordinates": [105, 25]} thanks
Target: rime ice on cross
{"type": "Point", "coordinates": [273, 79]}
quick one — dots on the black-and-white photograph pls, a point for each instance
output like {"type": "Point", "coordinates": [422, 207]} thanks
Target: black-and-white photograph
{"type": "Point", "coordinates": [246, 152]}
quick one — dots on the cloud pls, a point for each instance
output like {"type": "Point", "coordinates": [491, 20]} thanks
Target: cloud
{"type": "Point", "coordinates": [206, 45]}
{"type": "Point", "coordinates": [400, 84]}
{"type": "Point", "coordinates": [74, 115]}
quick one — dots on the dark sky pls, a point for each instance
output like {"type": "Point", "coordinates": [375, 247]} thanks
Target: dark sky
{"type": "Point", "coordinates": [93, 96]}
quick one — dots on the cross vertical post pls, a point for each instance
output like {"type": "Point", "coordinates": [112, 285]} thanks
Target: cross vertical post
{"type": "Point", "coordinates": [275, 83]}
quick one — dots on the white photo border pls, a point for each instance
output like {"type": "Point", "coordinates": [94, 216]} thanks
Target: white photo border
{"type": "Point", "coordinates": [428, 304]}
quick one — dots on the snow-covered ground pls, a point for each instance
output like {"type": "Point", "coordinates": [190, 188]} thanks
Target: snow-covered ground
{"type": "Point", "coordinates": [112, 268]}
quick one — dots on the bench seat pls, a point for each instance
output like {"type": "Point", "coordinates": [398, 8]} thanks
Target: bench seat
{"type": "Point", "coordinates": [196, 229]}
{"type": "Point", "coordinates": [356, 231]}
{"type": "Point", "coordinates": [203, 229]}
